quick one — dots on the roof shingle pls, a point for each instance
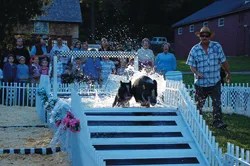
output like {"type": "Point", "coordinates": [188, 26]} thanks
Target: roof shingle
{"type": "Point", "coordinates": [216, 9]}
{"type": "Point", "coordinates": [62, 11]}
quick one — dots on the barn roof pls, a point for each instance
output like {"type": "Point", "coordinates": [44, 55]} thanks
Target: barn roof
{"type": "Point", "coordinates": [62, 11]}
{"type": "Point", "coordinates": [216, 9]}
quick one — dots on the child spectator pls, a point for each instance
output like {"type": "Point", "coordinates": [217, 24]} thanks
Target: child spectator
{"type": "Point", "coordinates": [22, 71]}
{"type": "Point", "coordinates": [67, 77]}
{"type": "Point", "coordinates": [122, 66]}
{"type": "Point", "coordinates": [9, 70]}
{"type": "Point", "coordinates": [78, 70]}
{"type": "Point", "coordinates": [107, 68]}
{"type": "Point", "coordinates": [35, 70]}
{"type": "Point", "coordinates": [44, 67]}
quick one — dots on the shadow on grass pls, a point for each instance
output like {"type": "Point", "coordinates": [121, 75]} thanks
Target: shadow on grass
{"type": "Point", "coordinates": [237, 132]}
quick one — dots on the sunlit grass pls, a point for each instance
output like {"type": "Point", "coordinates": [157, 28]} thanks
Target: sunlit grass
{"type": "Point", "coordinates": [236, 78]}
{"type": "Point", "coordinates": [241, 63]}
{"type": "Point", "coordinates": [237, 132]}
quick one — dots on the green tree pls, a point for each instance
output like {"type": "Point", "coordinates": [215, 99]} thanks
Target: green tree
{"type": "Point", "coordinates": [14, 12]}
{"type": "Point", "coordinates": [120, 19]}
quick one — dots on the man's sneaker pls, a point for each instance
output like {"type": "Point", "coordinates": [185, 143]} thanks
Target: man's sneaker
{"type": "Point", "coordinates": [220, 125]}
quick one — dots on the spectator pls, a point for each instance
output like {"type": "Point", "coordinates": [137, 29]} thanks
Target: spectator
{"type": "Point", "coordinates": [9, 70]}
{"type": "Point", "coordinates": [35, 70]}
{"type": "Point", "coordinates": [44, 67]}
{"type": "Point", "coordinates": [67, 77]}
{"type": "Point", "coordinates": [77, 46]}
{"type": "Point", "coordinates": [105, 46]}
{"type": "Point", "coordinates": [122, 66]}
{"type": "Point", "coordinates": [107, 68]}
{"type": "Point", "coordinates": [40, 49]}
{"type": "Point", "coordinates": [92, 69]}
{"type": "Point", "coordinates": [85, 46]}
{"type": "Point", "coordinates": [145, 55]}
{"type": "Point", "coordinates": [205, 60]}
{"type": "Point", "coordinates": [20, 50]}
{"type": "Point", "coordinates": [77, 70]}
{"type": "Point", "coordinates": [59, 47]}
{"type": "Point", "coordinates": [165, 61]}
{"type": "Point", "coordinates": [22, 71]}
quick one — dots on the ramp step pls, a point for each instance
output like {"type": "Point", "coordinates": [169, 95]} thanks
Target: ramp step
{"type": "Point", "coordinates": [134, 118]}
{"type": "Point", "coordinates": [142, 146]}
{"type": "Point", "coordinates": [183, 160]}
{"type": "Point", "coordinates": [148, 153]}
{"type": "Point", "coordinates": [134, 134]}
{"type": "Point", "coordinates": [137, 129]}
{"type": "Point", "coordinates": [131, 113]}
{"type": "Point", "coordinates": [131, 123]}
{"type": "Point", "coordinates": [145, 140]}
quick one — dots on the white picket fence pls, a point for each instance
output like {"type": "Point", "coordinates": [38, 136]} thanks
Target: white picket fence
{"type": "Point", "coordinates": [18, 94]}
{"type": "Point", "coordinates": [236, 156]}
{"type": "Point", "coordinates": [235, 98]}
{"type": "Point", "coordinates": [177, 95]}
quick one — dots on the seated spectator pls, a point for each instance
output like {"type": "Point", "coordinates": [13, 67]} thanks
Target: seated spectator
{"type": "Point", "coordinates": [22, 75]}
{"type": "Point", "coordinates": [107, 68]}
{"type": "Point", "coordinates": [9, 70]}
{"type": "Point", "coordinates": [165, 61]}
{"type": "Point", "coordinates": [92, 69]}
{"type": "Point", "coordinates": [35, 70]}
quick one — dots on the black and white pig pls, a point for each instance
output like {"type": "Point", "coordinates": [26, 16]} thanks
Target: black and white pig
{"type": "Point", "coordinates": [123, 95]}
{"type": "Point", "coordinates": [144, 90]}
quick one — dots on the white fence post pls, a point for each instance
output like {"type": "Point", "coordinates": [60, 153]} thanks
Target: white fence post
{"type": "Point", "coordinates": [55, 85]}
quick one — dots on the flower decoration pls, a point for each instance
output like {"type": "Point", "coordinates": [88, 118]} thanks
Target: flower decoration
{"type": "Point", "coordinates": [43, 95]}
{"type": "Point", "coordinates": [71, 122]}
{"type": "Point", "coordinates": [50, 104]}
{"type": "Point", "coordinates": [59, 112]}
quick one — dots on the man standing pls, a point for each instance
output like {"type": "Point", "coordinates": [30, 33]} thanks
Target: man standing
{"type": "Point", "coordinates": [205, 60]}
{"type": "Point", "coordinates": [21, 50]}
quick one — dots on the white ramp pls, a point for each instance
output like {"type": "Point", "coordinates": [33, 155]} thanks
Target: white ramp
{"type": "Point", "coordinates": [142, 136]}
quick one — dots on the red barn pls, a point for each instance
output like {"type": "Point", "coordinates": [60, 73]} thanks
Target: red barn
{"type": "Point", "coordinates": [229, 19]}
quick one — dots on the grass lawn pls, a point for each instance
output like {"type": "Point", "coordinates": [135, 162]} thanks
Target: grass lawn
{"type": "Point", "coordinates": [241, 63]}
{"type": "Point", "coordinates": [237, 132]}
{"type": "Point", "coordinates": [236, 78]}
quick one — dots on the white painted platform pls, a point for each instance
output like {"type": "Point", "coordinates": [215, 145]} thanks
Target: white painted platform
{"type": "Point", "coordinates": [128, 115]}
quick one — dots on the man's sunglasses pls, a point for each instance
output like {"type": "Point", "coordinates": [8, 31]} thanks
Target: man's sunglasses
{"type": "Point", "coordinates": [206, 36]}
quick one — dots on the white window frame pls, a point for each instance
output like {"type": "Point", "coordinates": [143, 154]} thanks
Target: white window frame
{"type": "Point", "coordinates": [221, 22]}
{"type": "Point", "coordinates": [191, 28]}
{"type": "Point", "coordinates": [205, 24]}
{"type": "Point", "coordinates": [180, 31]}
